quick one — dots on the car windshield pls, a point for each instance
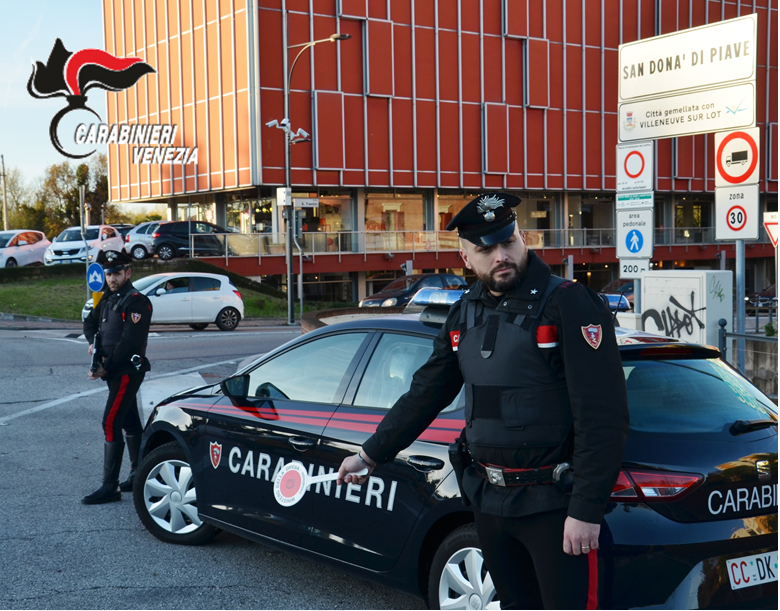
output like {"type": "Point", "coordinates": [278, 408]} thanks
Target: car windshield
{"type": "Point", "coordinates": [400, 285]}
{"type": "Point", "coordinates": [5, 237]}
{"type": "Point", "coordinates": [690, 396]}
{"type": "Point", "coordinates": [144, 283]}
{"type": "Point", "coordinates": [74, 235]}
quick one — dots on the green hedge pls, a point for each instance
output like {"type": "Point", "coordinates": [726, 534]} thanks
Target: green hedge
{"type": "Point", "coordinates": [140, 268]}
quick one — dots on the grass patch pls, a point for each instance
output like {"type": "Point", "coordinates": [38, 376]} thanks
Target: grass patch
{"type": "Point", "coordinates": [53, 297]}
{"type": "Point", "coordinates": [63, 297]}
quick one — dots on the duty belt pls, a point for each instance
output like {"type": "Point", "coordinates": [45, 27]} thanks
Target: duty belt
{"type": "Point", "coordinates": [501, 476]}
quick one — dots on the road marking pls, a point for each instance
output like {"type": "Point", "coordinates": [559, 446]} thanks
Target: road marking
{"type": "Point", "coordinates": [4, 421]}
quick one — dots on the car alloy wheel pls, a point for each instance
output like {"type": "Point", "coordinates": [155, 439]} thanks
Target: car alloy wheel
{"type": "Point", "coordinates": [138, 252]}
{"type": "Point", "coordinates": [459, 578]}
{"type": "Point", "coordinates": [166, 499]}
{"type": "Point", "coordinates": [165, 252]}
{"type": "Point", "coordinates": [228, 319]}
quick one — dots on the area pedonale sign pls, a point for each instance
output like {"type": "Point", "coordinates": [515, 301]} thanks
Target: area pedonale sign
{"type": "Point", "coordinates": [689, 82]}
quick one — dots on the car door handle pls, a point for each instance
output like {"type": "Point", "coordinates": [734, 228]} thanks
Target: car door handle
{"type": "Point", "coordinates": [425, 463]}
{"type": "Point", "coordinates": [302, 443]}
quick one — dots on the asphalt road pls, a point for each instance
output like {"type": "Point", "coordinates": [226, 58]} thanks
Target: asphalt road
{"type": "Point", "coordinates": [58, 554]}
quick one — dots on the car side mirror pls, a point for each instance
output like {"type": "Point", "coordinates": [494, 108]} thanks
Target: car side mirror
{"type": "Point", "coordinates": [235, 388]}
{"type": "Point", "coordinates": [160, 291]}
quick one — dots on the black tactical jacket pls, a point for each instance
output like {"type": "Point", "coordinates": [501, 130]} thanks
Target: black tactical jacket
{"type": "Point", "coordinates": [549, 393]}
{"type": "Point", "coordinates": [123, 319]}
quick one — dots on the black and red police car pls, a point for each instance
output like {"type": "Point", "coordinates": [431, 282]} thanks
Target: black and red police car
{"type": "Point", "coordinates": [692, 521]}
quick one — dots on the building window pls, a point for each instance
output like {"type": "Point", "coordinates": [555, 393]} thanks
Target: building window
{"type": "Point", "coordinates": [693, 220]}
{"type": "Point", "coordinates": [394, 221]}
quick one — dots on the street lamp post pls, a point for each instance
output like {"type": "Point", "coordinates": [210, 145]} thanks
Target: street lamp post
{"type": "Point", "coordinates": [289, 139]}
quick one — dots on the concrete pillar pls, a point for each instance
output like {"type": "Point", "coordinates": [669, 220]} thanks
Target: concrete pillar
{"type": "Point", "coordinates": [361, 286]}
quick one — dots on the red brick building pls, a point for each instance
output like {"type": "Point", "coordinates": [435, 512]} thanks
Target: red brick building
{"type": "Point", "coordinates": [429, 103]}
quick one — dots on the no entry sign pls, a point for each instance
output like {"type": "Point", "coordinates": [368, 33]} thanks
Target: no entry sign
{"type": "Point", "coordinates": [634, 165]}
{"type": "Point", "coordinates": [737, 157]}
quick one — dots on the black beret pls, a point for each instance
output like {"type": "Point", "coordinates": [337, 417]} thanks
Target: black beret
{"type": "Point", "coordinates": [113, 261]}
{"type": "Point", "coordinates": [486, 220]}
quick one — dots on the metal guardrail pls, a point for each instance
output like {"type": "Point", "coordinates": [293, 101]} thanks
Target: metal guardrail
{"type": "Point", "coordinates": [724, 335]}
{"type": "Point", "coordinates": [365, 242]}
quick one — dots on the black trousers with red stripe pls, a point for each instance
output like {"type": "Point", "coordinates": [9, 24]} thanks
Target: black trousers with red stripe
{"type": "Point", "coordinates": [122, 408]}
{"type": "Point", "coordinates": [529, 568]}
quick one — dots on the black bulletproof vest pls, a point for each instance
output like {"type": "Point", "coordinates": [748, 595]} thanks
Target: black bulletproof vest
{"type": "Point", "coordinates": [514, 399]}
{"type": "Point", "coordinates": [113, 322]}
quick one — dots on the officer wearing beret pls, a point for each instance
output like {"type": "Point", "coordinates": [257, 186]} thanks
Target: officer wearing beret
{"type": "Point", "coordinates": [546, 412]}
{"type": "Point", "coordinates": [121, 321]}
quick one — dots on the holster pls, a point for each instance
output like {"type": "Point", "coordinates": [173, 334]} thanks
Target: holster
{"type": "Point", "coordinates": [460, 458]}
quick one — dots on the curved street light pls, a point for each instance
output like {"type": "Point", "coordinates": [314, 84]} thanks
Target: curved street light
{"type": "Point", "coordinates": [292, 138]}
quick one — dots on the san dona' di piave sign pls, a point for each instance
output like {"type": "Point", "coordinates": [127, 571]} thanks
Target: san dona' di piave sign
{"type": "Point", "coordinates": [690, 82]}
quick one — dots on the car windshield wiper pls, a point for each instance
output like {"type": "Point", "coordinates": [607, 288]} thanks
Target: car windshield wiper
{"type": "Point", "coordinates": [746, 426]}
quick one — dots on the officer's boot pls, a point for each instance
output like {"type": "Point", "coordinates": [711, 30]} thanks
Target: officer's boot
{"type": "Point", "coordinates": [133, 447]}
{"type": "Point", "coordinates": [112, 461]}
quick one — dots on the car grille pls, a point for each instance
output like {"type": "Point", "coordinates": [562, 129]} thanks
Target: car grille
{"type": "Point", "coordinates": [61, 253]}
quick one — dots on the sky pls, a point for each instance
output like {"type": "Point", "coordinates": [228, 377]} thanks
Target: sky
{"type": "Point", "coordinates": [28, 30]}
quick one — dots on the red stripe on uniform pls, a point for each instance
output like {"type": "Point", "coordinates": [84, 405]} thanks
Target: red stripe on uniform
{"type": "Point", "coordinates": [593, 580]}
{"type": "Point", "coordinates": [114, 408]}
{"type": "Point", "coordinates": [546, 334]}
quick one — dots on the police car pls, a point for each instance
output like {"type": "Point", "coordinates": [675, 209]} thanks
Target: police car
{"type": "Point", "coordinates": [691, 523]}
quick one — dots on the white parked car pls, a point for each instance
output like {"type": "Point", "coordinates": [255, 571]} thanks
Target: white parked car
{"type": "Point", "coordinates": [22, 247]}
{"type": "Point", "coordinates": [138, 241]}
{"type": "Point", "coordinates": [69, 247]}
{"type": "Point", "coordinates": [190, 298]}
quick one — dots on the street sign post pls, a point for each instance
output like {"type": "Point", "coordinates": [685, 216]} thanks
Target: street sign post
{"type": "Point", "coordinates": [633, 268]}
{"type": "Point", "coordinates": [634, 234]}
{"type": "Point", "coordinates": [736, 157]}
{"type": "Point", "coordinates": [770, 224]}
{"type": "Point", "coordinates": [634, 165]}
{"type": "Point", "coordinates": [736, 213]}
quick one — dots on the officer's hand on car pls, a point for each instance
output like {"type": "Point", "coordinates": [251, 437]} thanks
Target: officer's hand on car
{"type": "Point", "coordinates": [353, 464]}
{"type": "Point", "coordinates": [97, 373]}
{"type": "Point", "coordinates": [580, 537]}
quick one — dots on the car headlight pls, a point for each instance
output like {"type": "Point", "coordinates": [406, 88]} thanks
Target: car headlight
{"type": "Point", "coordinates": [387, 303]}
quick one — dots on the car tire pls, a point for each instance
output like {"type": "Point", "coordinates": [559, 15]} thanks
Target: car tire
{"type": "Point", "coordinates": [166, 500]}
{"type": "Point", "coordinates": [11, 263]}
{"type": "Point", "coordinates": [228, 319]}
{"type": "Point", "coordinates": [166, 252]}
{"type": "Point", "coordinates": [199, 326]}
{"type": "Point", "coordinates": [451, 584]}
{"type": "Point", "coordinates": [138, 252]}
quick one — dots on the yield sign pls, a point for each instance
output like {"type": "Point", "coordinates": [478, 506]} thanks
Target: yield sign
{"type": "Point", "coordinates": [770, 224]}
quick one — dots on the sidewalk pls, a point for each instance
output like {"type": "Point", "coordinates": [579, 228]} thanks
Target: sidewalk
{"type": "Point", "coordinates": [19, 322]}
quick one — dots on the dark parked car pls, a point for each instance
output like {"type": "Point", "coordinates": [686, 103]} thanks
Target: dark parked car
{"type": "Point", "coordinates": [616, 302]}
{"type": "Point", "coordinates": [122, 228]}
{"type": "Point", "coordinates": [171, 240]}
{"type": "Point", "coordinates": [400, 291]}
{"type": "Point", "coordinates": [692, 521]}
{"type": "Point", "coordinates": [621, 286]}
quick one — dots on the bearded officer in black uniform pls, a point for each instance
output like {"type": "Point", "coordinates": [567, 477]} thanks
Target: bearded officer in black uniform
{"type": "Point", "coordinates": [545, 402]}
{"type": "Point", "coordinates": [122, 319]}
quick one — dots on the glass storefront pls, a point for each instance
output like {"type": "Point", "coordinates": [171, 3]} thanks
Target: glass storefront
{"type": "Point", "coordinates": [591, 220]}
{"type": "Point", "coordinates": [394, 221]}
{"type": "Point", "coordinates": [198, 208]}
{"type": "Point", "coordinates": [693, 222]}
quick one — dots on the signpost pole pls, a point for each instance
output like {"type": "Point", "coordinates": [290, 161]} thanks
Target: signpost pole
{"type": "Point", "coordinates": [740, 299]}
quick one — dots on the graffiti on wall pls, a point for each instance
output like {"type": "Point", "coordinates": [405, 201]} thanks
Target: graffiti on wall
{"type": "Point", "coordinates": [674, 319]}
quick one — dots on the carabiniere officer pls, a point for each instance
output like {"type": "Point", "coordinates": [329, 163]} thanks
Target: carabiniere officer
{"type": "Point", "coordinates": [122, 319]}
{"type": "Point", "coordinates": [545, 402]}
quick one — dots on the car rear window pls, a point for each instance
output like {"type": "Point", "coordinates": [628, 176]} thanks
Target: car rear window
{"type": "Point", "coordinates": [201, 283]}
{"type": "Point", "coordinates": [690, 396]}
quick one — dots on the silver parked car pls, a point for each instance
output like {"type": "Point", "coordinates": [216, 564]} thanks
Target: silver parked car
{"type": "Point", "coordinates": [22, 247]}
{"type": "Point", "coordinates": [69, 247]}
{"type": "Point", "coordinates": [138, 241]}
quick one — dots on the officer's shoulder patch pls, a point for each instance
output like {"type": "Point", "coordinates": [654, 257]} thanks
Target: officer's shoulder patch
{"type": "Point", "coordinates": [135, 317]}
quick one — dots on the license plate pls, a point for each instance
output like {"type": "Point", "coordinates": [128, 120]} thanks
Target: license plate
{"type": "Point", "coordinates": [752, 570]}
